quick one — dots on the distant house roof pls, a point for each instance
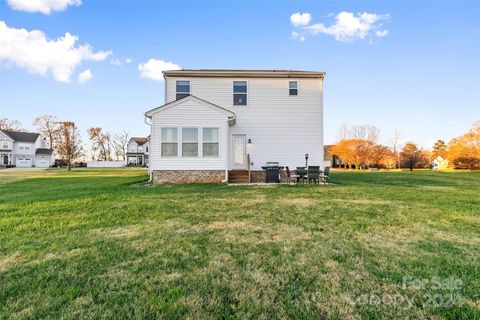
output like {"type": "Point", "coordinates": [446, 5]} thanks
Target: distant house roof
{"type": "Point", "coordinates": [22, 136]}
{"type": "Point", "coordinates": [43, 151]}
{"type": "Point", "coordinates": [244, 73]}
{"type": "Point", "coordinates": [139, 140]}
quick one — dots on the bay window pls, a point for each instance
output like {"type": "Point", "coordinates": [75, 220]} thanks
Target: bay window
{"type": "Point", "coordinates": [210, 142]}
{"type": "Point", "coordinates": [169, 142]}
{"type": "Point", "coordinates": [189, 142]}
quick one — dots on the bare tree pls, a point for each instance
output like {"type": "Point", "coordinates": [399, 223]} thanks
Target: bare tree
{"type": "Point", "coordinates": [396, 145]}
{"type": "Point", "coordinates": [69, 145]}
{"type": "Point", "coordinates": [101, 142]}
{"type": "Point", "coordinates": [120, 141]}
{"type": "Point", "coordinates": [369, 133]}
{"type": "Point", "coordinates": [10, 125]}
{"type": "Point", "coordinates": [48, 126]}
{"type": "Point", "coordinates": [343, 132]}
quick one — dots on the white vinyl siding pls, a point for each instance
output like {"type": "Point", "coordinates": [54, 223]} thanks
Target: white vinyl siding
{"type": "Point", "coordinates": [280, 128]}
{"type": "Point", "coordinates": [189, 114]}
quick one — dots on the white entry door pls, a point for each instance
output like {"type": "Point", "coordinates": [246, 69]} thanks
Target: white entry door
{"type": "Point", "coordinates": [24, 162]}
{"type": "Point", "coordinates": [239, 151]}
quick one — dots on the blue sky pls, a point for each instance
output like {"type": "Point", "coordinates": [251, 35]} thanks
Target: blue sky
{"type": "Point", "coordinates": [422, 78]}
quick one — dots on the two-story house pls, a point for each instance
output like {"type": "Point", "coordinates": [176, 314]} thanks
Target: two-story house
{"type": "Point", "coordinates": [216, 122]}
{"type": "Point", "coordinates": [137, 151]}
{"type": "Point", "coordinates": [24, 150]}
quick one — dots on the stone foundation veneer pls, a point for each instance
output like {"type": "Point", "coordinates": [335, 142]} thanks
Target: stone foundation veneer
{"type": "Point", "coordinates": [187, 176]}
{"type": "Point", "coordinates": [259, 176]}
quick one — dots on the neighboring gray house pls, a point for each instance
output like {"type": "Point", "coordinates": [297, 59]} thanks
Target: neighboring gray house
{"type": "Point", "coordinates": [24, 150]}
{"type": "Point", "coordinates": [137, 151]}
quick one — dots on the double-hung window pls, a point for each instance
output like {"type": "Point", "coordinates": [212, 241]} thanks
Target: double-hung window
{"type": "Point", "coordinates": [182, 89]}
{"type": "Point", "coordinates": [239, 93]}
{"type": "Point", "coordinates": [5, 145]}
{"type": "Point", "coordinates": [169, 142]}
{"type": "Point", "coordinates": [189, 142]}
{"type": "Point", "coordinates": [210, 142]}
{"type": "Point", "coordinates": [293, 88]}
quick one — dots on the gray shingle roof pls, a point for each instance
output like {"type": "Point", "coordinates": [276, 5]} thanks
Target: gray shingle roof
{"type": "Point", "coordinates": [140, 141]}
{"type": "Point", "coordinates": [43, 151]}
{"type": "Point", "coordinates": [22, 136]}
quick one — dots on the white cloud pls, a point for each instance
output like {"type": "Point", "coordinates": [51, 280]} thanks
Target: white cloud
{"type": "Point", "coordinates": [300, 19]}
{"type": "Point", "coordinates": [152, 69]}
{"type": "Point", "coordinates": [32, 51]}
{"type": "Point", "coordinates": [85, 76]}
{"type": "Point", "coordinates": [43, 6]}
{"type": "Point", "coordinates": [382, 33]}
{"type": "Point", "coordinates": [116, 62]}
{"type": "Point", "coordinates": [350, 27]}
{"type": "Point", "coordinates": [296, 35]}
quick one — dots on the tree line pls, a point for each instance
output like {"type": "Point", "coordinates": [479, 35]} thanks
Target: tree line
{"type": "Point", "coordinates": [358, 147]}
{"type": "Point", "coordinates": [64, 138]}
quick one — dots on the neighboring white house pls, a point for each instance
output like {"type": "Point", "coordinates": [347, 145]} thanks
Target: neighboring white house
{"type": "Point", "coordinates": [24, 149]}
{"type": "Point", "coordinates": [213, 121]}
{"type": "Point", "coordinates": [439, 163]}
{"type": "Point", "coordinates": [137, 151]}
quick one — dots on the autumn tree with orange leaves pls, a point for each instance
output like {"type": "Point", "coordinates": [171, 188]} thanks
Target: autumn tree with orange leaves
{"type": "Point", "coordinates": [464, 152]}
{"type": "Point", "coordinates": [357, 147]}
{"type": "Point", "coordinates": [69, 146]}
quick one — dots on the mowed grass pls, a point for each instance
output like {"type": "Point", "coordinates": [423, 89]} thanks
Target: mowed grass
{"type": "Point", "coordinates": [100, 244]}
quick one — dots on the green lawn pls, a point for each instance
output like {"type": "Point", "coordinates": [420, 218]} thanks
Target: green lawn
{"type": "Point", "coordinates": [97, 244]}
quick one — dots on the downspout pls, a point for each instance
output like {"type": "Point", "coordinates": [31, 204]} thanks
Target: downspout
{"type": "Point", "coordinates": [231, 121]}
{"type": "Point", "coordinates": [150, 172]}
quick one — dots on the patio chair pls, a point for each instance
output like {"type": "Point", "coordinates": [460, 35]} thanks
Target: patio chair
{"type": "Point", "coordinates": [313, 174]}
{"type": "Point", "coordinates": [324, 177]}
{"type": "Point", "coordinates": [302, 173]}
{"type": "Point", "coordinates": [290, 176]}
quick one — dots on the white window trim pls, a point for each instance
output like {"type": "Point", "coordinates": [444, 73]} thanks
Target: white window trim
{"type": "Point", "coordinates": [198, 144]}
{"type": "Point", "coordinates": [179, 151]}
{"type": "Point", "coordinates": [218, 142]}
{"type": "Point", "coordinates": [298, 88]}
{"type": "Point", "coordinates": [247, 93]}
{"type": "Point", "coordinates": [189, 86]}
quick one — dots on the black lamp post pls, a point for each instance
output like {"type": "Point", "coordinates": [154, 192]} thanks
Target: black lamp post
{"type": "Point", "coordinates": [306, 160]}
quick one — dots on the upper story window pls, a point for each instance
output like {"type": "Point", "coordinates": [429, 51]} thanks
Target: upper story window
{"type": "Point", "coordinates": [189, 142]}
{"type": "Point", "coordinates": [140, 149]}
{"type": "Point", "coordinates": [293, 88]}
{"type": "Point", "coordinates": [239, 93]}
{"type": "Point", "coordinates": [146, 149]}
{"type": "Point", "coordinates": [169, 142]}
{"type": "Point", "coordinates": [25, 147]}
{"type": "Point", "coordinates": [5, 145]}
{"type": "Point", "coordinates": [183, 89]}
